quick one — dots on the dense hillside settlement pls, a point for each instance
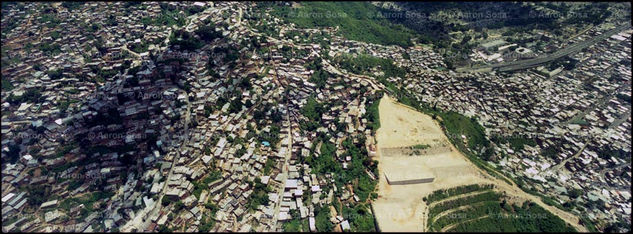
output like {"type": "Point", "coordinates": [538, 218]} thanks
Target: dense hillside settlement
{"type": "Point", "coordinates": [316, 116]}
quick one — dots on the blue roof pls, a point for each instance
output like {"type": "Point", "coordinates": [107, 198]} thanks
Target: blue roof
{"type": "Point", "coordinates": [266, 143]}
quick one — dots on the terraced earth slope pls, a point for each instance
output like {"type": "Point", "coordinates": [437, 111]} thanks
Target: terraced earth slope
{"type": "Point", "coordinates": [483, 208]}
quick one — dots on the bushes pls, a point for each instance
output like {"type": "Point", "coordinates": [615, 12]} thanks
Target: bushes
{"type": "Point", "coordinates": [322, 219]}
{"type": "Point", "coordinates": [272, 136]}
{"type": "Point", "coordinates": [49, 49]}
{"type": "Point", "coordinates": [6, 85]}
{"type": "Point", "coordinates": [313, 110]}
{"type": "Point", "coordinates": [421, 146]}
{"type": "Point", "coordinates": [50, 20]}
{"type": "Point", "coordinates": [319, 78]}
{"type": "Point", "coordinates": [165, 201]}
{"type": "Point", "coordinates": [325, 162]}
{"type": "Point", "coordinates": [356, 170]}
{"type": "Point", "coordinates": [268, 166]}
{"type": "Point", "coordinates": [178, 206]}
{"type": "Point", "coordinates": [140, 48]}
{"type": "Point", "coordinates": [166, 18]}
{"type": "Point", "coordinates": [372, 115]}
{"type": "Point", "coordinates": [438, 195]}
{"type": "Point", "coordinates": [206, 223]}
{"type": "Point", "coordinates": [55, 74]}
{"type": "Point", "coordinates": [231, 56]}
{"type": "Point", "coordinates": [447, 205]}
{"type": "Point", "coordinates": [235, 105]}
{"type": "Point", "coordinates": [208, 33]}
{"type": "Point", "coordinates": [72, 5]}
{"type": "Point", "coordinates": [38, 194]}
{"type": "Point", "coordinates": [185, 41]}
{"type": "Point", "coordinates": [517, 143]}
{"type": "Point", "coordinates": [315, 64]}
{"type": "Point", "coordinates": [31, 95]}
{"type": "Point", "coordinates": [259, 195]}
{"type": "Point", "coordinates": [74, 184]}
{"type": "Point", "coordinates": [457, 125]}
{"type": "Point", "coordinates": [360, 219]}
{"type": "Point", "coordinates": [292, 226]}
{"type": "Point", "coordinates": [204, 184]}
{"type": "Point", "coordinates": [88, 200]}
{"type": "Point", "coordinates": [479, 210]}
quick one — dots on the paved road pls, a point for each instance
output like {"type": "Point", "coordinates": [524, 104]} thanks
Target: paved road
{"type": "Point", "coordinates": [284, 169]}
{"type": "Point", "coordinates": [558, 166]}
{"type": "Point", "coordinates": [621, 119]}
{"type": "Point", "coordinates": [284, 173]}
{"type": "Point", "coordinates": [529, 63]}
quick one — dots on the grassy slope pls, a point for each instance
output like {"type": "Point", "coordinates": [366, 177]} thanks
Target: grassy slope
{"type": "Point", "coordinates": [355, 20]}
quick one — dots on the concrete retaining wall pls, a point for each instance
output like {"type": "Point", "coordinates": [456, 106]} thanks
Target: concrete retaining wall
{"type": "Point", "coordinates": [413, 181]}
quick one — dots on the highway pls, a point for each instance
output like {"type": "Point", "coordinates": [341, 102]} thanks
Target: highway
{"type": "Point", "coordinates": [529, 63]}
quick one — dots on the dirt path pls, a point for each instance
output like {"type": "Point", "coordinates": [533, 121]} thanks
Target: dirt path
{"type": "Point", "coordinates": [400, 207]}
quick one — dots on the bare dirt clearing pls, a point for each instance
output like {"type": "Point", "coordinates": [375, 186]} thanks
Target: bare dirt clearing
{"type": "Point", "coordinates": [400, 207]}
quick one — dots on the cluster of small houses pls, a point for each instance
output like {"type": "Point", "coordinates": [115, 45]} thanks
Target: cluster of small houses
{"type": "Point", "coordinates": [231, 193]}
{"type": "Point", "coordinates": [43, 126]}
{"type": "Point", "coordinates": [144, 115]}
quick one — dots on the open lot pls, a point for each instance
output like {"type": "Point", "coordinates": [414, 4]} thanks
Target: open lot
{"type": "Point", "coordinates": [400, 207]}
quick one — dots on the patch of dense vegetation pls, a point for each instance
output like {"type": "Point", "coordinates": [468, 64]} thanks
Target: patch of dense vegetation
{"type": "Point", "coordinates": [88, 200]}
{"type": "Point", "coordinates": [451, 204]}
{"type": "Point", "coordinates": [31, 95]}
{"type": "Point", "coordinates": [207, 222]}
{"type": "Point", "coordinates": [199, 186]}
{"type": "Point", "coordinates": [313, 110]}
{"type": "Point", "coordinates": [259, 195]}
{"type": "Point", "coordinates": [322, 219]}
{"type": "Point", "coordinates": [11, 22]}
{"type": "Point", "coordinates": [319, 78]}
{"type": "Point", "coordinates": [208, 33]}
{"type": "Point", "coordinates": [357, 170]}
{"type": "Point", "coordinates": [355, 20]}
{"type": "Point", "coordinates": [271, 136]}
{"type": "Point", "coordinates": [516, 143]}
{"type": "Point", "coordinates": [446, 193]}
{"type": "Point", "coordinates": [367, 64]}
{"type": "Point", "coordinates": [458, 125]}
{"type": "Point", "coordinates": [421, 146]}
{"type": "Point", "coordinates": [324, 163]}
{"type": "Point", "coordinates": [72, 5]}
{"type": "Point", "coordinates": [372, 114]}
{"type": "Point", "coordinates": [360, 219]}
{"type": "Point", "coordinates": [185, 40]}
{"type": "Point", "coordinates": [566, 62]}
{"type": "Point", "coordinates": [528, 218]}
